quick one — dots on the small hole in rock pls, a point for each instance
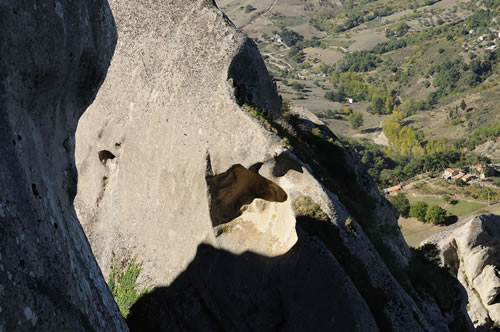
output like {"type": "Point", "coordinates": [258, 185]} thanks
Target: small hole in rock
{"type": "Point", "coordinates": [106, 155]}
{"type": "Point", "coordinates": [34, 190]}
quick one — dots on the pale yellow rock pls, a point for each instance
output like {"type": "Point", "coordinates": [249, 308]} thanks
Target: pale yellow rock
{"type": "Point", "coordinates": [267, 228]}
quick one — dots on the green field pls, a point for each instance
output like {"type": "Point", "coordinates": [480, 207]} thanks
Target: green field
{"type": "Point", "coordinates": [434, 34]}
{"type": "Point", "coordinates": [461, 209]}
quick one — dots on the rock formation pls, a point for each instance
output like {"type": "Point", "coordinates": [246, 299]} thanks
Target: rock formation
{"type": "Point", "coordinates": [54, 56]}
{"type": "Point", "coordinates": [184, 160]}
{"type": "Point", "coordinates": [470, 250]}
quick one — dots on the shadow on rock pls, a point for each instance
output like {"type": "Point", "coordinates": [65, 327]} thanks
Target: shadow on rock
{"type": "Point", "coordinates": [305, 289]}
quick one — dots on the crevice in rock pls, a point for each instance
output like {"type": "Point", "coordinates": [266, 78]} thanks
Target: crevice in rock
{"type": "Point", "coordinates": [104, 183]}
{"type": "Point", "coordinates": [330, 236]}
{"type": "Point", "coordinates": [238, 186]}
{"type": "Point", "coordinates": [34, 190]}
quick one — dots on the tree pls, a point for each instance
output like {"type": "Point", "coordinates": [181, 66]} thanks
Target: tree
{"type": "Point", "coordinates": [356, 120]}
{"type": "Point", "coordinates": [338, 95]}
{"type": "Point", "coordinates": [358, 61]}
{"type": "Point", "coordinates": [419, 210]}
{"type": "Point", "coordinates": [248, 9]}
{"type": "Point", "coordinates": [290, 37]}
{"type": "Point", "coordinates": [297, 86]}
{"type": "Point", "coordinates": [447, 198]}
{"type": "Point", "coordinates": [402, 204]}
{"type": "Point", "coordinates": [463, 105]}
{"type": "Point", "coordinates": [435, 214]}
{"type": "Point", "coordinates": [389, 104]}
{"type": "Point", "coordinates": [402, 29]}
{"type": "Point", "coordinates": [377, 104]}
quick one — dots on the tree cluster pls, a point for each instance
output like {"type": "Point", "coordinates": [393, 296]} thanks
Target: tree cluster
{"type": "Point", "coordinates": [432, 214]}
{"type": "Point", "coordinates": [356, 120]}
{"type": "Point", "coordinates": [290, 37]}
{"type": "Point", "coordinates": [402, 204]}
{"type": "Point", "coordinates": [358, 61]}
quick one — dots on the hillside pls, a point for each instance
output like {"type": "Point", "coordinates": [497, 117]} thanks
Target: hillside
{"type": "Point", "coordinates": [427, 56]}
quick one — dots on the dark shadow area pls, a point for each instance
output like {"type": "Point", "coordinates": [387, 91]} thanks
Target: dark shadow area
{"type": "Point", "coordinates": [431, 280]}
{"type": "Point", "coordinates": [50, 71]}
{"type": "Point", "coordinates": [330, 236]}
{"type": "Point", "coordinates": [303, 290]}
{"type": "Point", "coordinates": [236, 187]}
{"type": "Point", "coordinates": [450, 220]}
{"type": "Point", "coordinates": [105, 155]}
{"type": "Point", "coordinates": [371, 130]}
{"type": "Point", "coordinates": [285, 163]}
{"type": "Point", "coordinates": [251, 81]}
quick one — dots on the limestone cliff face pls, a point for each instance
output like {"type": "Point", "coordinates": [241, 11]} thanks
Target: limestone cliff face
{"type": "Point", "coordinates": [174, 169]}
{"type": "Point", "coordinates": [470, 250]}
{"type": "Point", "coordinates": [54, 57]}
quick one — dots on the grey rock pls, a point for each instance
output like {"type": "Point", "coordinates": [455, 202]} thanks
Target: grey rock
{"type": "Point", "coordinates": [54, 57]}
{"type": "Point", "coordinates": [173, 169]}
{"type": "Point", "coordinates": [470, 250]}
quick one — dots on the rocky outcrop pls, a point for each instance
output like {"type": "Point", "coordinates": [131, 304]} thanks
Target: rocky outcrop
{"type": "Point", "coordinates": [186, 160]}
{"type": "Point", "coordinates": [54, 57]}
{"type": "Point", "coordinates": [470, 250]}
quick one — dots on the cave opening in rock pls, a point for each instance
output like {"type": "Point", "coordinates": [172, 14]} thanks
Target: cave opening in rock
{"type": "Point", "coordinates": [285, 163]}
{"type": "Point", "coordinates": [239, 186]}
{"type": "Point", "coordinates": [105, 155]}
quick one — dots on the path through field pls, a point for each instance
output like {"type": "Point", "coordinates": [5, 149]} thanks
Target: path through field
{"type": "Point", "coordinates": [380, 138]}
{"type": "Point", "coordinates": [255, 17]}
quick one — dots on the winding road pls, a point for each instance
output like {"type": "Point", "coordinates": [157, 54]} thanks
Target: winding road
{"type": "Point", "coordinates": [259, 14]}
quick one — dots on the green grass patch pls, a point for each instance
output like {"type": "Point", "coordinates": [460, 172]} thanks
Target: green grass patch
{"type": "Point", "coordinates": [461, 209]}
{"type": "Point", "coordinates": [123, 285]}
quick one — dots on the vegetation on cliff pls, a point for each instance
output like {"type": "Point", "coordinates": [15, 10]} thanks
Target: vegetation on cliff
{"type": "Point", "coordinates": [122, 282]}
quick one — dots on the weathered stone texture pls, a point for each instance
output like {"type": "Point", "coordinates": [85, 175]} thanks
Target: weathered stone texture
{"type": "Point", "coordinates": [54, 56]}
{"type": "Point", "coordinates": [470, 250]}
{"type": "Point", "coordinates": [174, 170]}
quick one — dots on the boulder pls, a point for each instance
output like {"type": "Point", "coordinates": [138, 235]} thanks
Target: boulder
{"type": "Point", "coordinates": [470, 250]}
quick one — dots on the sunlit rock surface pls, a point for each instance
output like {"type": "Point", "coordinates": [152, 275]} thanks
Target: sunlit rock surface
{"type": "Point", "coordinates": [470, 250]}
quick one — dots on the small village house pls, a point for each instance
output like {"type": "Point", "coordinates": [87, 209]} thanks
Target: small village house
{"type": "Point", "coordinates": [483, 171]}
{"type": "Point", "coordinates": [391, 190]}
{"type": "Point", "coordinates": [449, 173]}
{"type": "Point", "coordinates": [468, 177]}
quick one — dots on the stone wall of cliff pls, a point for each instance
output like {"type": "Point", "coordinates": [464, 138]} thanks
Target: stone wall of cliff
{"type": "Point", "coordinates": [470, 251]}
{"type": "Point", "coordinates": [54, 57]}
{"type": "Point", "coordinates": [185, 160]}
